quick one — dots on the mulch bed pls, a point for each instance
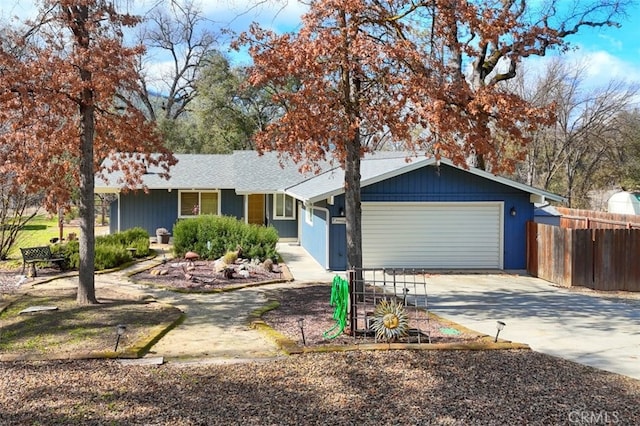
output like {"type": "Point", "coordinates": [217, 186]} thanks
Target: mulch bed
{"type": "Point", "coordinates": [200, 276]}
{"type": "Point", "coordinates": [311, 304]}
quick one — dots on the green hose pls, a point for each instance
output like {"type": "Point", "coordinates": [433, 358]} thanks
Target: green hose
{"type": "Point", "coordinates": [339, 299]}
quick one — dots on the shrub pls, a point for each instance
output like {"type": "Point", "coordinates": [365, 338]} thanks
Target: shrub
{"type": "Point", "coordinates": [70, 251]}
{"type": "Point", "coordinates": [213, 236]}
{"type": "Point", "coordinates": [110, 256]}
{"type": "Point", "coordinates": [230, 257]}
{"type": "Point", "coordinates": [111, 250]}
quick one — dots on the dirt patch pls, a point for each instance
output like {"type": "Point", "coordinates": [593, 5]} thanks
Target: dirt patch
{"type": "Point", "coordinates": [311, 304]}
{"type": "Point", "coordinates": [201, 276]}
{"type": "Point", "coordinates": [76, 329]}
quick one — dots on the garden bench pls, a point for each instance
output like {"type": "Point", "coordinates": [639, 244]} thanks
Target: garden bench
{"type": "Point", "coordinates": [33, 255]}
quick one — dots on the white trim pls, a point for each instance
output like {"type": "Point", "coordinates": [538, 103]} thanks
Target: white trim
{"type": "Point", "coordinates": [284, 200]}
{"type": "Point", "coordinates": [308, 213]}
{"type": "Point", "coordinates": [415, 164]}
{"type": "Point", "coordinates": [119, 212]}
{"type": "Point", "coordinates": [246, 208]}
{"type": "Point", "coordinates": [327, 234]}
{"type": "Point", "coordinates": [199, 192]}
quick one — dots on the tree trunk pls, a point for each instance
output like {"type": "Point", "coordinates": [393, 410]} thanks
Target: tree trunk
{"type": "Point", "coordinates": [353, 213]}
{"type": "Point", "coordinates": [353, 207]}
{"type": "Point", "coordinates": [86, 280]}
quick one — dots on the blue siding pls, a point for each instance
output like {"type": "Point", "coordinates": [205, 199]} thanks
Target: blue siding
{"type": "Point", "coordinates": [314, 236]}
{"type": "Point", "coordinates": [285, 228]}
{"type": "Point", "coordinates": [445, 184]}
{"type": "Point", "coordinates": [337, 238]}
{"type": "Point", "coordinates": [232, 204]}
{"type": "Point", "coordinates": [113, 217]}
{"type": "Point", "coordinates": [157, 209]}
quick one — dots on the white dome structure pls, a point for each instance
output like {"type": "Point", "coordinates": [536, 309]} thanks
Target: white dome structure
{"type": "Point", "coordinates": [624, 203]}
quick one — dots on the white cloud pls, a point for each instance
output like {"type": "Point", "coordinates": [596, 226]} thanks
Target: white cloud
{"type": "Point", "coordinates": [615, 43]}
{"type": "Point", "coordinates": [602, 66]}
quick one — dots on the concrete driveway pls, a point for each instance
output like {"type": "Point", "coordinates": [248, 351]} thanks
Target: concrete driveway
{"type": "Point", "coordinates": [588, 328]}
{"type": "Point", "coordinates": [597, 330]}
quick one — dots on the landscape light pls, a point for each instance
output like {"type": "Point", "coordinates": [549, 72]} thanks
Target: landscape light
{"type": "Point", "coordinates": [301, 325]}
{"type": "Point", "coordinates": [120, 329]}
{"type": "Point", "coordinates": [500, 326]}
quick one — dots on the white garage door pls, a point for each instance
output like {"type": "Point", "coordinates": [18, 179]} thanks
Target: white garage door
{"type": "Point", "coordinates": [464, 235]}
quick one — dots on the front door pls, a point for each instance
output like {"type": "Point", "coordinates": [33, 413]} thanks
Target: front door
{"type": "Point", "coordinates": [255, 209]}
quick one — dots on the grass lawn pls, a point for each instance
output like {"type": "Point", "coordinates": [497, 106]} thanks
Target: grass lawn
{"type": "Point", "coordinates": [37, 232]}
{"type": "Point", "coordinates": [79, 329]}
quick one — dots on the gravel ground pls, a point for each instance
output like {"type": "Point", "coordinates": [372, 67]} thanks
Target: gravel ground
{"type": "Point", "coordinates": [365, 388]}
{"type": "Point", "coordinates": [342, 388]}
{"type": "Point", "coordinates": [200, 276]}
{"type": "Point", "coordinates": [311, 303]}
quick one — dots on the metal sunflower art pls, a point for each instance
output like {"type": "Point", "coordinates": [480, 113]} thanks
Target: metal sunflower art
{"type": "Point", "coordinates": [390, 320]}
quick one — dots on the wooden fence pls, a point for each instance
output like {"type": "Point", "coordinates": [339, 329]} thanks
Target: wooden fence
{"type": "Point", "coordinates": [589, 219]}
{"type": "Point", "coordinates": [601, 259]}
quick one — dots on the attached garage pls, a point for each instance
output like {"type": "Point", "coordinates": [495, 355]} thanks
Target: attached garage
{"type": "Point", "coordinates": [423, 213]}
{"type": "Point", "coordinates": [456, 235]}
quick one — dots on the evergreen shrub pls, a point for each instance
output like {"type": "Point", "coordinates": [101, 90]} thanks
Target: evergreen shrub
{"type": "Point", "coordinates": [213, 236]}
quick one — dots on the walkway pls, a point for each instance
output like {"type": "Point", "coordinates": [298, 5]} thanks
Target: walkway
{"type": "Point", "coordinates": [215, 326]}
{"type": "Point", "coordinates": [600, 331]}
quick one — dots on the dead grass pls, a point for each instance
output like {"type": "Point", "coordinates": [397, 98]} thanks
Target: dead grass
{"type": "Point", "coordinates": [73, 330]}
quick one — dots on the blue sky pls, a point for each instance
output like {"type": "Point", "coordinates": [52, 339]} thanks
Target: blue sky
{"type": "Point", "coordinates": [612, 53]}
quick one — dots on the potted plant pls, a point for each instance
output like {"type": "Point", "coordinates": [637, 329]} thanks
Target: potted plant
{"type": "Point", "coordinates": [162, 235]}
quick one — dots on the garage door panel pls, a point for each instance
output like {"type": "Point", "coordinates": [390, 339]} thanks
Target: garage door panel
{"type": "Point", "coordinates": [432, 235]}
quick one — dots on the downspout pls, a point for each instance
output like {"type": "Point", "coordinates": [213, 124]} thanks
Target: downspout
{"type": "Point", "coordinates": [326, 238]}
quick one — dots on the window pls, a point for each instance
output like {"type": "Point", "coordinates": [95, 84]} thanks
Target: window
{"type": "Point", "coordinates": [194, 203]}
{"type": "Point", "coordinates": [308, 214]}
{"type": "Point", "coordinates": [284, 207]}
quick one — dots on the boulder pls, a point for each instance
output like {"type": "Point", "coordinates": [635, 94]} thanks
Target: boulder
{"type": "Point", "coordinates": [267, 265]}
{"type": "Point", "coordinates": [219, 265]}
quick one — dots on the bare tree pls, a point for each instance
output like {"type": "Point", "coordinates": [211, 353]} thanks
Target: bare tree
{"type": "Point", "coordinates": [17, 208]}
{"type": "Point", "coordinates": [622, 167]}
{"type": "Point", "coordinates": [567, 156]}
{"type": "Point", "coordinates": [177, 36]}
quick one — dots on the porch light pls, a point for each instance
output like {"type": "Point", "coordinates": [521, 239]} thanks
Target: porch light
{"type": "Point", "coordinates": [120, 329]}
{"type": "Point", "coordinates": [500, 326]}
{"type": "Point", "coordinates": [513, 211]}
